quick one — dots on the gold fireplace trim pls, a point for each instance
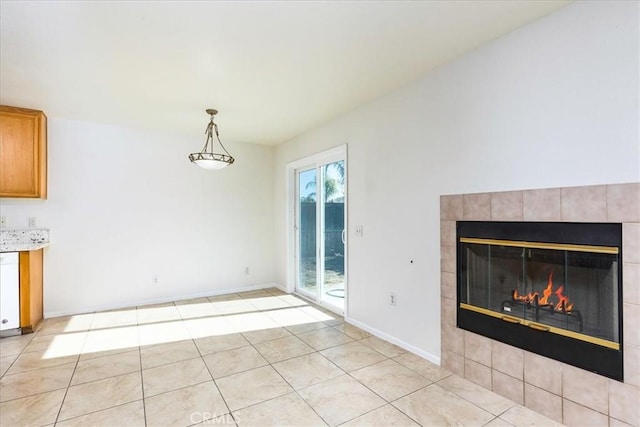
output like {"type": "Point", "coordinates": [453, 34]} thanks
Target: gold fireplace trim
{"type": "Point", "coordinates": [542, 245]}
{"type": "Point", "coordinates": [542, 327]}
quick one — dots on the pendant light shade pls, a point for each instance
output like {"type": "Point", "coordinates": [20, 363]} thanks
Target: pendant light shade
{"type": "Point", "coordinates": [206, 158]}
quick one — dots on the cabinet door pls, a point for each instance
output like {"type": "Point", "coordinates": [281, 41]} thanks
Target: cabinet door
{"type": "Point", "coordinates": [9, 291]}
{"type": "Point", "coordinates": [22, 153]}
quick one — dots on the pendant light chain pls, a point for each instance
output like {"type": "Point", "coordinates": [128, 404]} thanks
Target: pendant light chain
{"type": "Point", "coordinates": [215, 126]}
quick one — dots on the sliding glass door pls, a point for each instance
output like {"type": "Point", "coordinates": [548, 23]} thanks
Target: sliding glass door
{"type": "Point", "coordinates": [307, 230]}
{"type": "Point", "coordinates": [321, 232]}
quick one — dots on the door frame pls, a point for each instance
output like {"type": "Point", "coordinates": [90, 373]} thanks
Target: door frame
{"type": "Point", "coordinates": [327, 156]}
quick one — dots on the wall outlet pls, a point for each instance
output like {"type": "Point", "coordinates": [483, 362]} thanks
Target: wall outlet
{"type": "Point", "coordinates": [360, 230]}
{"type": "Point", "coordinates": [3, 221]}
{"type": "Point", "coordinates": [33, 222]}
{"type": "Point", "coordinates": [392, 299]}
{"type": "Point", "coordinates": [246, 271]}
{"type": "Point", "coordinates": [155, 280]}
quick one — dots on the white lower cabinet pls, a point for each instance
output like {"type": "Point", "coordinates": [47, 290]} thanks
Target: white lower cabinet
{"type": "Point", "coordinates": [9, 291]}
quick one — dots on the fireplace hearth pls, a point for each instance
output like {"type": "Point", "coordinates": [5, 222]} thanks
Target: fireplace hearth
{"type": "Point", "coordinates": [549, 288]}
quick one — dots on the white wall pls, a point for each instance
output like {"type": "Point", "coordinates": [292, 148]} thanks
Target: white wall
{"type": "Point", "coordinates": [553, 104]}
{"type": "Point", "coordinates": [125, 205]}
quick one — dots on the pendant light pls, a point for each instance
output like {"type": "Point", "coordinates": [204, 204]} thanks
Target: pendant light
{"type": "Point", "coordinates": [206, 158]}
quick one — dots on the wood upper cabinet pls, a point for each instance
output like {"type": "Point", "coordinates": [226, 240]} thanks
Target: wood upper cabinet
{"type": "Point", "coordinates": [23, 153]}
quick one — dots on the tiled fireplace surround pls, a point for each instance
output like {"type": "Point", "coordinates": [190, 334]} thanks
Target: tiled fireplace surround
{"type": "Point", "coordinates": [562, 392]}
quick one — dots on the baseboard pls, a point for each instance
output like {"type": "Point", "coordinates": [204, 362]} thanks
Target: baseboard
{"type": "Point", "coordinates": [279, 286]}
{"type": "Point", "coordinates": [393, 340]}
{"type": "Point", "coordinates": [49, 314]}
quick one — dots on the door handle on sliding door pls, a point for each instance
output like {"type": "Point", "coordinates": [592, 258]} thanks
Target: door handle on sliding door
{"type": "Point", "coordinates": [344, 236]}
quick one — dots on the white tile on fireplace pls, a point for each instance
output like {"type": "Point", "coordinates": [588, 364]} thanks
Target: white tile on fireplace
{"type": "Point", "coordinates": [631, 283]}
{"type": "Point", "coordinates": [452, 339]}
{"type": "Point", "coordinates": [584, 204]}
{"type": "Point", "coordinates": [451, 208]}
{"type": "Point", "coordinates": [448, 311]}
{"type": "Point", "coordinates": [631, 316]}
{"type": "Point", "coordinates": [585, 388]}
{"type": "Point", "coordinates": [506, 206]}
{"type": "Point", "coordinates": [507, 359]}
{"type": "Point", "coordinates": [448, 285]}
{"type": "Point", "coordinates": [477, 207]}
{"type": "Point", "coordinates": [507, 386]}
{"type": "Point", "coordinates": [623, 202]}
{"type": "Point", "coordinates": [543, 372]}
{"type": "Point", "coordinates": [448, 233]}
{"type": "Point", "coordinates": [477, 348]}
{"type": "Point", "coordinates": [578, 416]}
{"type": "Point", "coordinates": [448, 259]}
{"type": "Point", "coordinates": [453, 362]}
{"type": "Point", "coordinates": [548, 404]}
{"type": "Point", "coordinates": [631, 243]}
{"type": "Point", "coordinates": [541, 205]}
{"type": "Point", "coordinates": [477, 373]}
{"type": "Point", "coordinates": [632, 365]}
{"type": "Point", "coordinates": [624, 402]}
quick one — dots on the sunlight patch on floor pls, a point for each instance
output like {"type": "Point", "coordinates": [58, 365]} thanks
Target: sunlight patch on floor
{"type": "Point", "coordinates": [165, 323]}
{"type": "Point", "coordinates": [64, 345]}
{"type": "Point", "coordinates": [111, 339]}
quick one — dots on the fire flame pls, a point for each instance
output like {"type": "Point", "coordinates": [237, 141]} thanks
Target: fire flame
{"type": "Point", "coordinates": [563, 300]}
{"type": "Point", "coordinates": [563, 303]}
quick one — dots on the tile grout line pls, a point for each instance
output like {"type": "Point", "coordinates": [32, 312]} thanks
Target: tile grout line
{"type": "Point", "coordinates": [270, 364]}
{"type": "Point", "coordinates": [66, 392]}
{"type": "Point", "coordinates": [16, 358]}
{"type": "Point", "coordinates": [475, 404]}
{"type": "Point", "coordinates": [224, 400]}
{"type": "Point", "coordinates": [345, 373]}
{"type": "Point", "coordinates": [291, 386]}
{"type": "Point", "coordinates": [387, 402]}
{"type": "Point", "coordinates": [34, 394]}
{"type": "Point", "coordinates": [100, 379]}
{"type": "Point", "coordinates": [144, 403]}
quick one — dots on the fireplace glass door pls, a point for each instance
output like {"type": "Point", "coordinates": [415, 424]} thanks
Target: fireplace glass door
{"type": "Point", "coordinates": [566, 289]}
{"type": "Point", "coordinates": [551, 288]}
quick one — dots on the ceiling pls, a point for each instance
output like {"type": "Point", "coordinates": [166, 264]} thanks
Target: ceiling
{"type": "Point", "coordinates": [273, 69]}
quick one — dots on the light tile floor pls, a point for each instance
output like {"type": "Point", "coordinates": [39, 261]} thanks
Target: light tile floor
{"type": "Point", "coordinates": [256, 358]}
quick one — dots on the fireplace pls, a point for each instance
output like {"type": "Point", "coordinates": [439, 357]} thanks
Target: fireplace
{"type": "Point", "coordinates": [552, 288]}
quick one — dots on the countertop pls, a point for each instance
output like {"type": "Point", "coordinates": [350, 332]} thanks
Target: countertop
{"type": "Point", "coordinates": [29, 239]}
